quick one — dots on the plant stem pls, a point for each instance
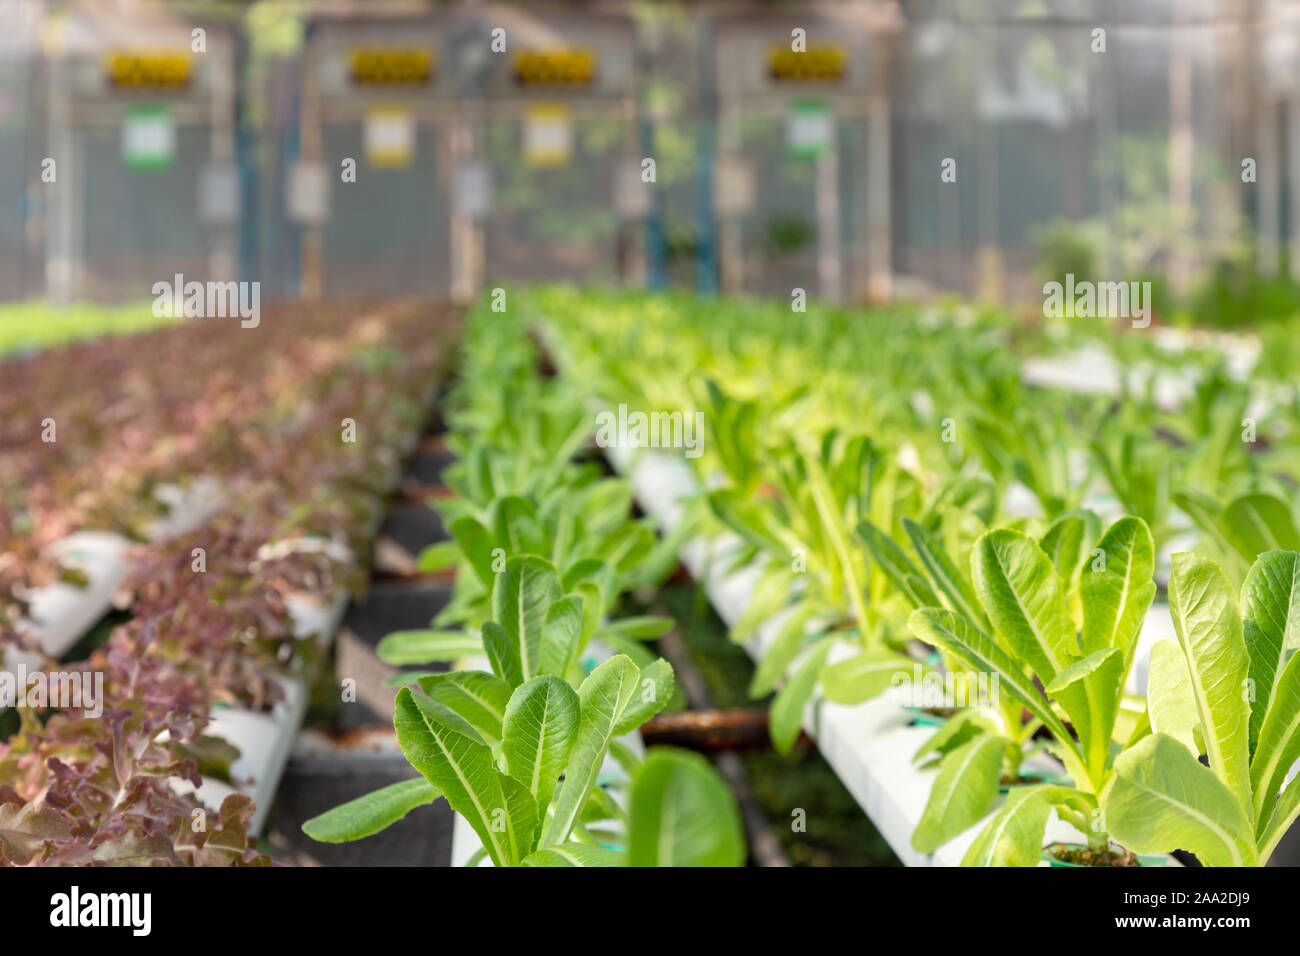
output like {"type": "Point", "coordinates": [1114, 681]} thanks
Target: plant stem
{"type": "Point", "coordinates": [1098, 841]}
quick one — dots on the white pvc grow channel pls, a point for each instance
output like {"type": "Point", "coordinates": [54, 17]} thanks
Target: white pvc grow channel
{"type": "Point", "coordinates": [1093, 369]}
{"type": "Point", "coordinates": [870, 745]}
{"type": "Point", "coordinates": [60, 614]}
{"type": "Point", "coordinates": [265, 740]}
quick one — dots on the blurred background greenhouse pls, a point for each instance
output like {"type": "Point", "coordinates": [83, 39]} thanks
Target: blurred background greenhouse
{"type": "Point", "coordinates": [1154, 139]}
{"type": "Point", "coordinates": [842, 236]}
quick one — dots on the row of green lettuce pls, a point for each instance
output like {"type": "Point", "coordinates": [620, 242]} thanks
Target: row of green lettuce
{"type": "Point", "coordinates": [877, 465]}
{"type": "Point", "coordinates": [529, 738]}
{"type": "Point", "coordinates": [31, 326]}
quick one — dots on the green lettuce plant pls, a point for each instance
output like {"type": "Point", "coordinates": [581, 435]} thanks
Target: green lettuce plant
{"type": "Point", "coordinates": [519, 488]}
{"type": "Point", "coordinates": [1020, 442]}
{"type": "Point", "coordinates": [583, 527]}
{"type": "Point", "coordinates": [517, 750]}
{"type": "Point", "coordinates": [799, 524]}
{"type": "Point", "coordinates": [1237, 532]}
{"type": "Point", "coordinates": [986, 739]}
{"type": "Point", "coordinates": [1033, 640]}
{"type": "Point", "coordinates": [1228, 689]}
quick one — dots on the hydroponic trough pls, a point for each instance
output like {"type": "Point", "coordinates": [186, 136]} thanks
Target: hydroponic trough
{"type": "Point", "coordinates": [870, 745]}
{"type": "Point", "coordinates": [60, 614]}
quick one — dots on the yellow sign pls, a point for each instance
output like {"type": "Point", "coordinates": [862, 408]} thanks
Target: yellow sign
{"type": "Point", "coordinates": [392, 67]}
{"type": "Point", "coordinates": [548, 135]}
{"type": "Point", "coordinates": [556, 68]}
{"type": "Point", "coordinates": [389, 138]}
{"type": "Point", "coordinates": [819, 64]}
{"type": "Point", "coordinates": [148, 69]}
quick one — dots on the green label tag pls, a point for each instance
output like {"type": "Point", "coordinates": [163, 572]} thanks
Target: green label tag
{"type": "Point", "coordinates": [810, 129]}
{"type": "Point", "coordinates": [148, 137]}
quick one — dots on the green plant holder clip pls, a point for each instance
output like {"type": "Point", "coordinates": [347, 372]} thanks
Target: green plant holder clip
{"type": "Point", "coordinates": [922, 718]}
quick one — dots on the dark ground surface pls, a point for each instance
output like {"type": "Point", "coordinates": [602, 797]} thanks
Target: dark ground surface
{"type": "Point", "coordinates": [311, 786]}
{"type": "Point", "coordinates": [388, 607]}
